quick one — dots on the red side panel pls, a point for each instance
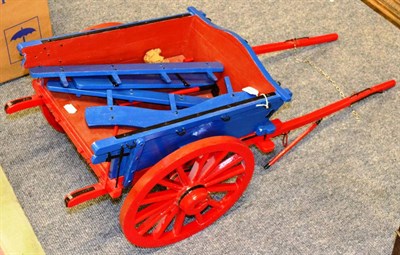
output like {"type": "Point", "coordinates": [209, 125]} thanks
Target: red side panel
{"type": "Point", "coordinates": [128, 44]}
{"type": "Point", "coordinates": [188, 35]}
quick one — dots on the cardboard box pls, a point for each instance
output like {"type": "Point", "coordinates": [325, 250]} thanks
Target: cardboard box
{"type": "Point", "coordinates": [20, 20]}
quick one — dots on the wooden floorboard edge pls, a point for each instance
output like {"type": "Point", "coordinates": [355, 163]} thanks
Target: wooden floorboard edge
{"type": "Point", "coordinates": [389, 12]}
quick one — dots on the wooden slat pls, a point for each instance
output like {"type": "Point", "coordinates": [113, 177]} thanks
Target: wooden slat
{"type": "Point", "coordinates": [390, 9]}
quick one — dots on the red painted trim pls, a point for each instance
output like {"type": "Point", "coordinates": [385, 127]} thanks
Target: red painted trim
{"type": "Point", "coordinates": [22, 103]}
{"type": "Point", "coordinates": [292, 144]}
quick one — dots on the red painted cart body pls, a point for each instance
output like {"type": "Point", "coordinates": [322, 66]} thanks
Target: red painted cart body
{"type": "Point", "coordinates": [196, 180]}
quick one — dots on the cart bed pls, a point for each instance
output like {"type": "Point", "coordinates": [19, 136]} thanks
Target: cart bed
{"type": "Point", "coordinates": [191, 35]}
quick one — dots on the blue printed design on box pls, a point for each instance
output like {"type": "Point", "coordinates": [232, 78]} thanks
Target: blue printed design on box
{"type": "Point", "coordinates": [25, 31]}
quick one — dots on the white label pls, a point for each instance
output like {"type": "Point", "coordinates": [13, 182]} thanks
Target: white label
{"type": "Point", "coordinates": [70, 108]}
{"type": "Point", "coordinates": [251, 91]}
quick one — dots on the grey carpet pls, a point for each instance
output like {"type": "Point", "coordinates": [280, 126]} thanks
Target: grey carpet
{"type": "Point", "coordinates": [337, 192]}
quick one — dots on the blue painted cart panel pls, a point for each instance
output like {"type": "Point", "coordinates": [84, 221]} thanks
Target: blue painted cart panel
{"type": "Point", "coordinates": [155, 142]}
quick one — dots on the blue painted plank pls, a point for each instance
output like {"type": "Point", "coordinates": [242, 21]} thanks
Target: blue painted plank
{"type": "Point", "coordinates": [127, 69]}
{"type": "Point", "coordinates": [129, 95]}
{"type": "Point", "coordinates": [142, 117]}
{"type": "Point", "coordinates": [143, 82]}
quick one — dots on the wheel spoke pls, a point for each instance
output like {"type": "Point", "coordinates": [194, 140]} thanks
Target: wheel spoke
{"type": "Point", "coordinates": [164, 223]}
{"type": "Point", "coordinates": [159, 196]}
{"type": "Point", "coordinates": [199, 218]}
{"type": "Point", "coordinates": [226, 165]}
{"type": "Point", "coordinates": [151, 222]}
{"type": "Point", "coordinates": [183, 176]}
{"type": "Point", "coordinates": [148, 224]}
{"type": "Point", "coordinates": [170, 184]}
{"type": "Point", "coordinates": [223, 187]}
{"type": "Point", "coordinates": [198, 167]}
{"type": "Point", "coordinates": [210, 167]}
{"type": "Point", "coordinates": [150, 210]}
{"type": "Point", "coordinates": [224, 176]}
{"type": "Point", "coordinates": [215, 204]}
{"type": "Point", "coordinates": [179, 221]}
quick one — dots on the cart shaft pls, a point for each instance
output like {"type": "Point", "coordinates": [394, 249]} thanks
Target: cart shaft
{"type": "Point", "coordinates": [294, 43]}
{"type": "Point", "coordinates": [319, 114]}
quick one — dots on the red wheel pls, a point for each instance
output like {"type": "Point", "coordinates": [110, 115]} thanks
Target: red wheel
{"type": "Point", "coordinates": [186, 191]}
{"type": "Point", "coordinates": [50, 119]}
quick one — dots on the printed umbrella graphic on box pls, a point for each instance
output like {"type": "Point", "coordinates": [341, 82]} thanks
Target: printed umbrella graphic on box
{"type": "Point", "coordinates": [22, 33]}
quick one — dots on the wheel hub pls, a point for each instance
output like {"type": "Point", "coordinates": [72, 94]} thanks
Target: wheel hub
{"type": "Point", "coordinates": [194, 200]}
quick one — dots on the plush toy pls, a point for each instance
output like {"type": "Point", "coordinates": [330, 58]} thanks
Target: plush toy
{"type": "Point", "coordinates": [153, 56]}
